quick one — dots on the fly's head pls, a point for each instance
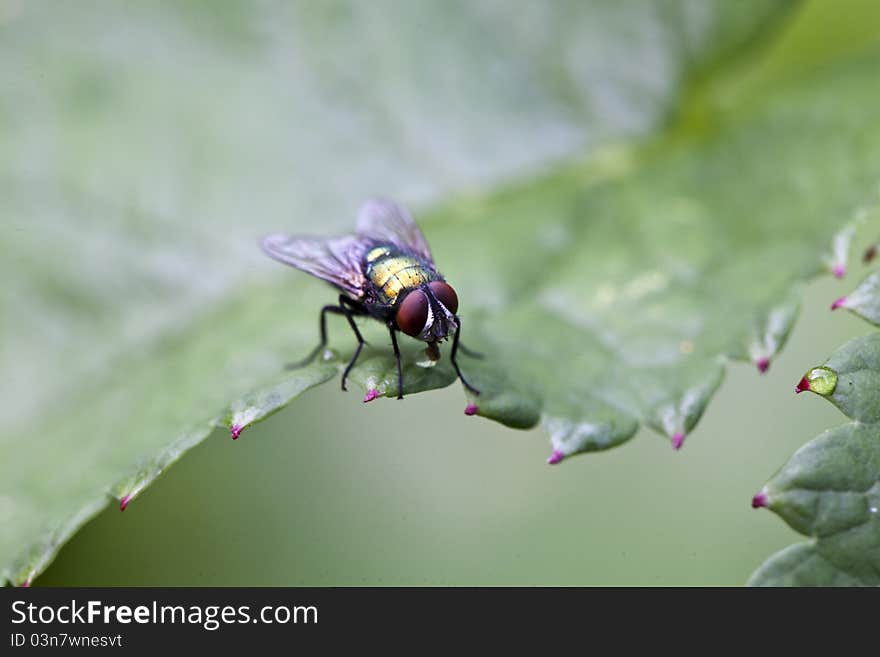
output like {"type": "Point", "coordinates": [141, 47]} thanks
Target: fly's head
{"type": "Point", "coordinates": [428, 312]}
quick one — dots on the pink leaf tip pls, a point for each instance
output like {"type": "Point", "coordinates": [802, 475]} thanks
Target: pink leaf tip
{"type": "Point", "coordinates": [678, 440]}
{"type": "Point", "coordinates": [26, 584]}
{"type": "Point", "coordinates": [839, 270]}
{"type": "Point", "coordinates": [838, 303]}
{"type": "Point", "coordinates": [235, 431]}
{"type": "Point", "coordinates": [372, 394]}
{"type": "Point", "coordinates": [123, 503]}
{"type": "Point", "coordinates": [763, 364]}
{"type": "Point", "coordinates": [555, 457]}
{"type": "Point", "coordinates": [471, 409]}
{"type": "Point", "coordinates": [759, 500]}
{"type": "Point", "coordinates": [802, 385]}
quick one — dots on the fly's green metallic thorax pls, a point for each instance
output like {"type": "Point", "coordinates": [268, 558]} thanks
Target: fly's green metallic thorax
{"type": "Point", "coordinates": [393, 272]}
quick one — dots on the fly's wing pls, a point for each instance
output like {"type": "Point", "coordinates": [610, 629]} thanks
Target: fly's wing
{"type": "Point", "coordinates": [336, 260]}
{"type": "Point", "coordinates": [383, 220]}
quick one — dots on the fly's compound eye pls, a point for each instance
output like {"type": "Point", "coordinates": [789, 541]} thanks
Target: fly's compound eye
{"type": "Point", "coordinates": [445, 295]}
{"type": "Point", "coordinates": [413, 313]}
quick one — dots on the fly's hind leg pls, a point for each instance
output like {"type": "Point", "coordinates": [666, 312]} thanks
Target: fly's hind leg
{"type": "Point", "coordinates": [337, 310]}
{"type": "Point", "coordinates": [347, 309]}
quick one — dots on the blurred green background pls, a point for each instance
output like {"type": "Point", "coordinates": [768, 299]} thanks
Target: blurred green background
{"type": "Point", "coordinates": [331, 491]}
{"type": "Point", "coordinates": [334, 492]}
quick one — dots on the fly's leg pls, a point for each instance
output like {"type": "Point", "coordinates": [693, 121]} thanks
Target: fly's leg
{"type": "Point", "coordinates": [455, 347]}
{"type": "Point", "coordinates": [397, 357]}
{"type": "Point", "coordinates": [314, 352]}
{"type": "Point", "coordinates": [470, 353]}
{"type": "Point", "coordinates": [349, 312]}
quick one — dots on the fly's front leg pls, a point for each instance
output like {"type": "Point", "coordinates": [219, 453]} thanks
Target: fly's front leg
{"type": "Point", "coordinates": [397, 357]}
{"type": "Point", "coordinates": [455, 362]}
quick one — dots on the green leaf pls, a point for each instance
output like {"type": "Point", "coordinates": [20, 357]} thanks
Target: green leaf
{"type": "Point", "coordinates": [857, 368]}
{"type": "Point", "coordinates": [143, 150]}
{"type": "Point", "coordinates": [829, 491]}
{"type": "Point", "coordinates": [864, 301]}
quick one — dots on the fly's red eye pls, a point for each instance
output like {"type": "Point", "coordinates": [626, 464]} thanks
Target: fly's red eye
{"type": "Point", "coordinates": [413, 313]}
{"type": "Point", "coordinates": [445, 295]}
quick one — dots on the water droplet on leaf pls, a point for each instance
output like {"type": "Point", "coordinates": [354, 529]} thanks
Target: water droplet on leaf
{"type": "Point", "coordinates": [821, 380]}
